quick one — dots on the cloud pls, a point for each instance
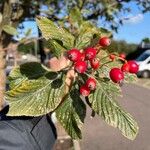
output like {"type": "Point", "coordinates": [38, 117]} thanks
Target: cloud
{"type": "Point", "coordinates": [133, 19]}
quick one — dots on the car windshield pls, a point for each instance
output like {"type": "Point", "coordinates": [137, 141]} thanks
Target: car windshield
{"type": "Point", "coordinates": [143, 57]}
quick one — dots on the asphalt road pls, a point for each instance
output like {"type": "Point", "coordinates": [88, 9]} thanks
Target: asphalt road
{"type": "Point", "coordinates": [97, 135]}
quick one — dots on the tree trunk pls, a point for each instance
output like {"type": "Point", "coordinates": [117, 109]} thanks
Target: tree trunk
{"type": "Point", "coordinates": [4, 41]}
{"type": "Point", "coordinates": [2, 75]}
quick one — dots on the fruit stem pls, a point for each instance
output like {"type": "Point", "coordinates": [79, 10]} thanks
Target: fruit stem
{"type": "Point", "coordinates": [97, 47]}
{"type": "Point", "coordinates": [124, 60]}
{"type": "Point", "coordinates": [91, 76]}
{"type": "Point", "coordinates": [104, 64]}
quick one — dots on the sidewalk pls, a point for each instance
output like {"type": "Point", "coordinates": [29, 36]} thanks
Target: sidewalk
{"type": "Point", "coordinates": [64, 142]}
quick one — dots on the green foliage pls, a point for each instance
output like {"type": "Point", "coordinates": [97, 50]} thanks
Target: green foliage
{"type": "Point", "coordinates": [55, 48]}
{"type": "Point", "coordinates": [35, 90]}
{"type": "Point", "coordinates": [75, 17]}
{"type": "Point", "coordinates": [105, 32]}
{"type": "Point", "coordinates": [52, 31]}
{"type": "Point", "coordinates": [122, 47]}
{"type": "Point", "coordinates": [130, 78]}
{"type": "Point", "coordinates": [26, 47]}
{"type": "Point", "coordinates": [104, 104]}
{"type": "Point", "coordinates": [86, 34]}
{"type": "Point", "coordinates": [10, 30]}
{"type": "Point", "coordinates": [28, 32]}
{"type": "Point", "coordinates": [75, 111]}
{"type": "Point", "coordinates": [146, 40]}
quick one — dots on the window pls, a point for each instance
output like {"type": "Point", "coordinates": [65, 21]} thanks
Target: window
{"type": "Point", "coordinates": [143, 57]}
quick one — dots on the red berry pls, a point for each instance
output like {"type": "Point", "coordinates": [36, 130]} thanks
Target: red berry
{"type": "Point", "coordinates": [122, 55]}
{"type": "Point", "coordinates": [84, 91]}
{"type": "Point", "coordinates": [104, 41]}
{"type": "Point", "coordinates": [91, 83]}
{"type": "Point", "coordinates": [74, 55]}
{"type": "Point", "coordinates": [116, 75]}
{"type": "Point", "coordinates": [112, 56]}
{"type": "Point", "coordinates": [133, 66]}
{"type": "Point", "coordinates": [90, 53]}
{"type": "Point", "coordinates": [81, 66]}
{"type": "Point", "coordinates": [125, 67]}
{"type": "Point", "coordinates": [95, 63]}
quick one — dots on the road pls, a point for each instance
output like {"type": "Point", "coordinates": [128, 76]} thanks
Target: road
{"type": "Point", "coordinates": [97, 135]}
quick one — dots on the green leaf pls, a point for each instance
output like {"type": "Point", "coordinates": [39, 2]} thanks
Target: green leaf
{"type": "Point", "coordinates": [71, 114]}
{"type": "Point", "coordinates": [52, 31]}
{"type": "Point", "coordinates": [35, 97]}
{"type": "Point", "coordinates": [75, 17]}
{"type": "Point", "coordinates": [10, 30]}
{"type": "Point", "coordinates": [86, 35]}
{"type": "Point", "coordinates": [28, 32]}
{"type": "Point", "coordinates": [80, 3]}
{"type": "Point", "coordinates": [130, 78]}
{"type": "Point", "coordinates": [30, 70]}
{"type": "Point", "coordinates": [105, 32]}
{"type": "Point", "coordinates": [103, 104]}
{"type": "Point", "coordinates": [55, 47]}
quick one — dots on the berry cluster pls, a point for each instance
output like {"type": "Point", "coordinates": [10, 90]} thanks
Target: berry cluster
{"type": "Point", "coordinates": [117, 74]}
{"type": "Point", "coordinates": [81, 59]}
{"type": "Point", "coordinates": [85, 60]}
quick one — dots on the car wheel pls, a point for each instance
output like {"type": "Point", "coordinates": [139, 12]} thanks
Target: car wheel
{"type": "Point", "coordinates": [145, 74]}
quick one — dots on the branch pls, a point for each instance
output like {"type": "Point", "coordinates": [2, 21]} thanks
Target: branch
{"type": "Point", "coordinates": [98, 13]}
{"type": "Point", "coordinates": [83, 3]}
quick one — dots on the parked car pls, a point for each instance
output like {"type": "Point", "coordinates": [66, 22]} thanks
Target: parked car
{"type": "Point", "coordinates": [144, 64]}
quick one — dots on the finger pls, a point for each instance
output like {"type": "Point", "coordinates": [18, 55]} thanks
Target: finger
{"type": "Point", "coordinates": [57, 64]}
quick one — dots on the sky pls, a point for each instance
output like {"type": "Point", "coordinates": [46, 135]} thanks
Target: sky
{"type": "Point", "coordinates": [134, 29]}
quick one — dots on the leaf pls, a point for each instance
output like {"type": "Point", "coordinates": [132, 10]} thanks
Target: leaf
{"type": "Point", "coordinates": [105, 32]}
{"type": "Point", "coordinates": [55, 47]}
{"type": "Point", "coordinates": [71, 114]}
{"type": "Point", "coordinates": [51, 31]}
{"type": "Point", "coordinates": [80, 3]}
{"type": "Point", "coordinates": [75, 17]}
{"type": "Point", "coordinates": [103, 104]}
{"type": "Point", "coordinates": [35, 97]}
{"type": "Point", "coordinates": [130, 78]}
{"type": "Point", "coordinates": [86, 35]}
{"type": "Point", "coordinates": [10, 30]}
{"type": "Point", "coordinates": [28, 32]}
{"type": "Point", "coordinates": [30, 70]}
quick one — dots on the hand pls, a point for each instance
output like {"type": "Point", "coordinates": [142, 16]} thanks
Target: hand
{"type": "Point", "coordinates": [56, 64]}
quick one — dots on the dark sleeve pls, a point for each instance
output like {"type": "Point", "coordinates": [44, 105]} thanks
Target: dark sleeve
{"type": "Point", "coordinates": [10, 138]}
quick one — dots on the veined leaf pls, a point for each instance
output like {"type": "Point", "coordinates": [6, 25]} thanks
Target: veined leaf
{"type": "Point", "coordinates": [10, 30]}
{"type": "Point", "coordinates": [75, 17]}
{"type": "Point", "coordinates": [55, 47]}
{"type": "Point", "coordinates": [28, 32]}
{"type": "Point", "coordinates": [103, 104]}
{"type": "Point", "coordinates": [51, 31]}
{"type": "Point", "coordinates": [130, 78]}
{"type": "Point", "coordinates": [35, 97]}
{"type": "Point", "coordinates": [71, 114]}
{"type": "Point", "coordinates": [31, 70]}
{"type": "Point", "coordinates": [87, 31]}
{"type": "Point", "coordinates": [105, 32]}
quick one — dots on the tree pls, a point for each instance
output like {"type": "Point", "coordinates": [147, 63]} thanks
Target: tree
{"type": "Point", "coordinates": [122, 47]}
